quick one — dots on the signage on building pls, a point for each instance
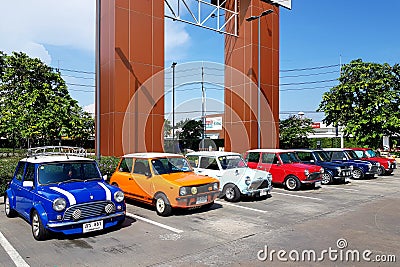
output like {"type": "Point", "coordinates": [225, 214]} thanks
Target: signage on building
{"type": "Point", "coordinates": [316, 125]}
{"type": "Point", "coordinates": [214, 124]}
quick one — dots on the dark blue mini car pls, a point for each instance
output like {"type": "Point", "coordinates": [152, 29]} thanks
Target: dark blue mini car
{"type": "Point", "coordinates": [57, 189]}
{"type": "Point", "coordinates": [334, 171]}
{"type": "Point", "coordinates": [361, 168]}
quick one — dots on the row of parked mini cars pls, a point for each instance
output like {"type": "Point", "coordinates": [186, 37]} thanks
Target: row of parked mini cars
{"type": "Point", "coordinates": [59, 189]}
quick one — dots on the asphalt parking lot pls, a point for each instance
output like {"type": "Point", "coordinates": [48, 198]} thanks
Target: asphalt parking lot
{"type": "Point", "coordinates": [337, 222]}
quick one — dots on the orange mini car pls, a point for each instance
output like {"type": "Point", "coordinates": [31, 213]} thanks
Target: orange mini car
{"type": "Point", "coordinates": [164, 180]}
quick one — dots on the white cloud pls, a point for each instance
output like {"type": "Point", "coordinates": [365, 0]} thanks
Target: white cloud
{"type": "Point", "coordinates": [89, 108]}
{"type": "Point", "coordinates": [28, 25]}
{"type": "Point", "coordinates": [177, 40]}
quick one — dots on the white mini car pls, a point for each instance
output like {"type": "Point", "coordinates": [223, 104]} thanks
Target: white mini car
{"type": "Point", "coordinates": [231, 170]}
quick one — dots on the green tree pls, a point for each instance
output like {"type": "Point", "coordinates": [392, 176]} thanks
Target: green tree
{"type": "Point", "coordinates": [366, 102]}
{"type": "Point", "coordinates": [167, 128]}
{"type": "Point", "coordinates": [191, 133]}
{"type": "Point", "coordinates": [293, 132]}
{"type": "Point", "coordinates": [35, 103]}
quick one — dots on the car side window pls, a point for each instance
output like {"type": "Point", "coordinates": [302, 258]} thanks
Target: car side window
{"type": "Point", "coordinates": [209, 163]}
{"type": "Point", "coordinates": [253, 157]}
{"type": "Point", "coordinates": [194, 161]}
{"type": "Point", "coordinates": [126, 165]}
{"type": "Point", "coordinates": [276, 159]}
{"type": "Point", "coordinates": [267, 158]}
{"type": "Point", "coordinates": [20, 171]}
{"type": "Point", "coordinates": [30, 172]}
{"type": "Point", "coordinates": [304, 156]}
{"type": "Point", "coordinates": [337, 155]}
{"type": "Point", "coordinates": [141, 167]}
{"type": "Point", "coordinates": [360, 154]}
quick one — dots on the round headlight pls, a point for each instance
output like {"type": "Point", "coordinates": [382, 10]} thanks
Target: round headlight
{"type": "Point", "coordinates": [306, 172]}
{"type": "Point", "coordinates": [182, 191]}
{"type": "Point", "coordinates": [215, 186]}
{"type": "Point", "coordinates": [193, 190]}
{"type": "Point", "coordinates": [338, 169]}
{"type": "Point", "coordinates": [269, 176]}
{"type": "Point", "coordinates": [119, 196]}
{"type": "Point", "coordinates": [247, 181]}
{"type": "Point", "coordinates": [378, 164]}
{"type": "Point", "coordinates": [322, 170]}
{"type": "Point", "coordinates": [59, 204]}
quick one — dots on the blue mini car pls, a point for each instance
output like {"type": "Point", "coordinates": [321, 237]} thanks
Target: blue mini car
{"type": "Point", "coordinates": [57, 189]}
{"type": "Point", "coordinates": [334, 171]}
{"type": "Point", "coordinates": [361, 168]}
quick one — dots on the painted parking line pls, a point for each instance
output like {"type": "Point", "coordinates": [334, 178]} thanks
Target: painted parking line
{"type": "Point", "coordinates": [340, 188]}
{"type": "Point", "coordinates": [134, 216]}
{"type": "Point", "coordinates": [238, 206]}
{"type": "Point", "coordinates": [14, 255]}
{"type": "Point", "coordinates": [292, 195]}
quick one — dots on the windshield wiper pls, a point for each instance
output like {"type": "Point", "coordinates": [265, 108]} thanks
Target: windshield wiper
{"type": "Point", "coordinates": [90, 179]}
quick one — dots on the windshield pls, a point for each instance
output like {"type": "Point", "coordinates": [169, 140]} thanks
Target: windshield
{"type": "Point", "coordinates": [231, 162]}
{"type": "Point", "coordinates": [289, 157]}
{"type": "Point", "coordinates": [351, 154]}
{"type": "Point", "coordinates": [321, 156]}
{"type": "Point", "coordinates": [370, 153]}
{"type": "Point", "coordinates": [61, 172]}
{"type": "Point", "coordinates": [170, 165]}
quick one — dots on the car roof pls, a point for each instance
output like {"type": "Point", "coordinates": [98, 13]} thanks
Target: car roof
{"type": "Point", "coordinates": [54, 158]}
{"type": "Point", "coordinates": [212, 153]}
{"type": "Point", "coordinates": [336, 149]}
{"type": "Point", "coordinates": [360, 148]}
{"type": "Point", "coordinates": [270, 150]}
{"type": "Point", "coordinates": [306, 150]}
{"type": "Point", "coordinates": [149, 155]}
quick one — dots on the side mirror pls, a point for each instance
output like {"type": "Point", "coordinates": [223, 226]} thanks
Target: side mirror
{"type": "Point", "coordinates": [278, 163]}
{"type": "Point", "coordinates": [312, 161]}
{"type": "Point", "coordinates": [105, 177]}
{"type": "Point", "coordinates": [148, 174]}
{"type": "Point", "coordinates": [27, 184]}
{"type": "Point", "coordinates": [344, 158]}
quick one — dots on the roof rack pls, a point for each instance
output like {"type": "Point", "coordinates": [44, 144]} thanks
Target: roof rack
{"type": "Point", "coordinates": [56, 150]}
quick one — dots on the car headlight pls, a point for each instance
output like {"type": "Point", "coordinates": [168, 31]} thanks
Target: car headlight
{"type": "Point", "coordinates": [215, 186]}
{"type": "Point", "coordinates": [322, 170]}
{"type": "Point", "coordinates": [306, 172]}
{"type": "Point", "coordinates": [378, 164]}
{"type": "Point", "coordinates": [338, 169]}
{"type": "Point", "coordinates": [59, 204]}
{"type": "Point", "coordinates": [182, 191]}
{"type": "Point", "coordinates": [389, 163]}
{"type": "Point", "coordinates": [119, 196]}
{"type": "Point", "coordinates": [269, 177]}
{"type": "Point", "coordinates": [247, 181]}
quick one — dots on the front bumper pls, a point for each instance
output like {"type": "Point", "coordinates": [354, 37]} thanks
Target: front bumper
{"type": "Point", "coordinates": [257, 192]}
{"type": "Point", "coordinates": [191, 201]}
{"type": "Point", "coordinates": [311, 181]}
{"type": "Point", "coordinates": [76, 227]}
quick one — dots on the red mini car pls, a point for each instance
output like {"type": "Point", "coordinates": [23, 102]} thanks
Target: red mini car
{"type": "Point", "coordinates": [387, 164]}
{"type": "Point", "coordinates": [285, 167]}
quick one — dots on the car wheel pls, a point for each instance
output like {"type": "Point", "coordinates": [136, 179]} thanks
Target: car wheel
{"type": "Point", "coordinates": [163, 207]}
{"type": "Point", "coordinates": [381, 171]}
{"type": "Point", "coordinates": [7, 208]}
{"type": "Point", "coordinates": [357, 173]}
{"type": "Point", "coordinates": [327, 178]}
{"type": "Point", "coordinates": [292, 183]}
{"type": "Point", "coordinates": [232, 193]}
{"type": "Point", "coordinates": [38, 230]}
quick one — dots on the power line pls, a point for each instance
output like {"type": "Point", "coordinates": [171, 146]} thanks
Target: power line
{"type": "Point", "coordinates": [77, 71]}
{"type": "Point", "coordinates": [323, 81]}
{"type": "Point", "coordinates": [77, 77]}
{"type": "Point", "coordinates": [312, 68]}
{"type": "Point", "coordinates": [312, 74]}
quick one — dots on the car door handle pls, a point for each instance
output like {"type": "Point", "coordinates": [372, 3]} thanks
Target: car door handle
{"type": "Point", "coordinates": [259, 167]}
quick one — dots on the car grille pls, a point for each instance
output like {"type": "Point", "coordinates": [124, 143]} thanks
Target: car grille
{"type": "Point", "coordinates": [203, 188]}
{"type": "Point", "coordinates": [345, 172]}
{"type": "Point", "coordinates": [374, 168]}
{"type": "Point", "coordinates": [259, 184]}
{"type": "Point", "coordinates": [87, 210]}
{"type": "Point", "coordinates": [313, 176]}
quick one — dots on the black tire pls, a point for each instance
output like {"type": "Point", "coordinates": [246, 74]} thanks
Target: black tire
{"type": "Point", "coordinates": [326, 178]}
{"type": "Point", "coordinates": [38, 231]}
{"type": "Point", "coordinates": [163, 208]}
{"type": "Point", "coordinates": [381, 171]}
{"type": "Point", "coordinates": [231, 193]}
{"type": "Point", "coordinates": [292, 183]}
{"type": "Point", "coordinates": [358, 174]}
{"type": "Point", "coordinates": [10, 213]}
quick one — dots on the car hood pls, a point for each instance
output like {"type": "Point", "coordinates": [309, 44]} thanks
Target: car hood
{"type": "Point", "coordinates": [327, 164]}
{"type": "Point", "coordinates": [381, 160]}
{"type": "Point", "coordinates": [244, 172]}
{"type": "Point", "coordinates": [302, 167]}
{"type": "Point", "coordinates": [188, 178]}
{"type": "Point", "coordinates": [80, 192]}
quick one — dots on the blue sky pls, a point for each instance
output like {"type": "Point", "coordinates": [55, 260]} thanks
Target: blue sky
{"type": "Point", "coordinates": [313, 34]}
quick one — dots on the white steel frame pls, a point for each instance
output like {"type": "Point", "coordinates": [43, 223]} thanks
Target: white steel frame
{"type": "Point", "coordinates": [196, 19]}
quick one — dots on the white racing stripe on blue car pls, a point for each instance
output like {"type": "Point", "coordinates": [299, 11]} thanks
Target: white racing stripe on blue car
{"type": "Point", "coordinates": [71, 198]}
{"type": "Point", "coordinates": [108, 192]}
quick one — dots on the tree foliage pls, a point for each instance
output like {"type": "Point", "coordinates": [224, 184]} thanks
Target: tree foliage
{"type": "Point", "coordinates": [366, 102]}
{"type": "Point", "coordinates": [191, 133]}
{"type": "Point", "coordinates": [35, 103]}
{"type": "Point", "coordinates": [293, 132]}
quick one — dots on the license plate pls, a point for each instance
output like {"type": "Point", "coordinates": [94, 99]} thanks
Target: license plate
{"type": "Point", "coordinates": [92, 226]}
{"type": "Point", "coordinates": [263, 192]}
{"type": "Point", "coordinates": [318, 184]}
{"type": "Point", "coordinates": [347, 174]}
{"type": "Point", "coordinates": [347, 179]}
{"type": "Point", "coordinates": [201, 200]}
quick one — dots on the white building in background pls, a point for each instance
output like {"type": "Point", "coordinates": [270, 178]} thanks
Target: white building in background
{"type": "Point", "coordinates": [321, 130]}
